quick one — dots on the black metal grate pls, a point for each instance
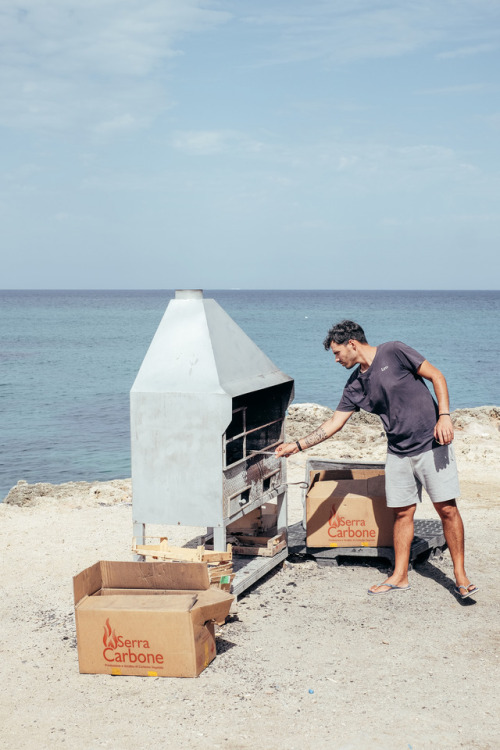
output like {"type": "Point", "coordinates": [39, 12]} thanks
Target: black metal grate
{"type": "Point", "coordinates": [428, 538]}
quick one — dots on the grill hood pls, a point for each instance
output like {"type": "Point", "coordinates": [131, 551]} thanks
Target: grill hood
{"type": "Point", "coordinates": [198, 348]}
{"type": "Point", "coordinates": [199, 363]}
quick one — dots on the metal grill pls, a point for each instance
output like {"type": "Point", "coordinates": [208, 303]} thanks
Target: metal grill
{"type": "Point", "coordinates": [253, 472]}
{"type": "Point", "coordinates": [256, 428]}
{"type": "Point", "coordinates": [207, 412]}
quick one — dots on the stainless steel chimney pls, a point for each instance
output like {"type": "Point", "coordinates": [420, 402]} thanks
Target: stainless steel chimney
{"type": "Point", "coordinates": [207, 410]}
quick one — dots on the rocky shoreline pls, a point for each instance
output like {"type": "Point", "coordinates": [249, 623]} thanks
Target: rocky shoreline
{"type": "Point", "coordinates": [477, 448]}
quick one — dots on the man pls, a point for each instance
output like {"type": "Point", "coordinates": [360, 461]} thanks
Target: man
{"type": "Point", "coordinates": [389, 382]}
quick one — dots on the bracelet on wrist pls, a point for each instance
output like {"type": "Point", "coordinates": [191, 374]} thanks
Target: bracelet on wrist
{"type": "Point", "coordinates": [445, 414]}
{"type": "Point", "coordinates": [298, 445]}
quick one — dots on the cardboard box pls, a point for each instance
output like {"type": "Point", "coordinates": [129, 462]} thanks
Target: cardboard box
{"type": "Point", "coordinates": [347, 508]}
{"type": "Point", "coordinates": [261, 519]}
{"type": "Point", "coordinates": [147, 618]}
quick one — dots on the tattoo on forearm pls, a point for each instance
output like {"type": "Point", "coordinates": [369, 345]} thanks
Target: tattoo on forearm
{"type": "Point", "coordinates": [315, 437]}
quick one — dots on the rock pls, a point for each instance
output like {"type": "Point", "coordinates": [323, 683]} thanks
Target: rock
{"type": "Point", "coordinates": [477, 447]}
{"type": "Point", "coordinates": [87, 493]}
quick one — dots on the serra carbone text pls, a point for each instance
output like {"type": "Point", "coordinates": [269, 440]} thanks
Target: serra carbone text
{"type": "Point", "coordinates": [340, 527]}
{"type": "Point", "coordinates": [136, 651]}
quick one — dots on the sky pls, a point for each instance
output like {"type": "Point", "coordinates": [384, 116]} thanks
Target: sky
{"type": "Point", "coordinates": [256, 144]}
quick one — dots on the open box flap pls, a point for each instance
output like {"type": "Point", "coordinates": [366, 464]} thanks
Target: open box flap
{"type": "Point", "coordinates": [340, 488]}
{"type": "Point", "coordinates": [157, 575]}
{"type": "Point", "coordinates": [213, 604]}
{"type": "Point", "coordinates": [141, 575]}
{"type": "Point", "coordinates": [325, 475]}
{"type": "Point", "coordinates": [87, 582]}
{"type": "Point", "coordinates": [144, 592]}
{"type": "Point", "coordinates": [140, 603]}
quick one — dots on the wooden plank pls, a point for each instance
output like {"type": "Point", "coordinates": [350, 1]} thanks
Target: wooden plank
{"type": "Point", "coordinates": [209, 556]}
{"type": "Point", "coordinates": [260, 551]}
{"type": "Point", "coordinates": [268, 540]}
{"type": "Point", "coordinates": [186, 555]}
{"type": "Point", "coordinates": [162, 551]}
{"type": "Point", "coordinates": [221, 570]}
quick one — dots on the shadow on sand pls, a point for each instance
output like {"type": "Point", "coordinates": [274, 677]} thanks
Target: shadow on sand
{"type": "Point", "coordinates": [428, 570]}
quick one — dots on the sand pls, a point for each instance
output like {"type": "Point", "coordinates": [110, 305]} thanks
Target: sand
{"type": "Point", "coordinates": [306, 658]}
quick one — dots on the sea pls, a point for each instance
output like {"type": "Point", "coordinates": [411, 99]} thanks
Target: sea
{"type": "Point", "coordinates": [69, 358]}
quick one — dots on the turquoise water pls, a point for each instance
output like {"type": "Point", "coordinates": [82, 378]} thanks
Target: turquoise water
{"type": "Point", "coordinates": [68, 360]}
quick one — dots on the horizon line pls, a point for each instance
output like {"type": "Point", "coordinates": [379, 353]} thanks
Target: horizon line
{"type": "Point", "coordinates": [244, 289]}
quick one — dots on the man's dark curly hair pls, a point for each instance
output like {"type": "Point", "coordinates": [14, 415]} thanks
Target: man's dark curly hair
{"type": "Point", "coordinates": [343, 332]}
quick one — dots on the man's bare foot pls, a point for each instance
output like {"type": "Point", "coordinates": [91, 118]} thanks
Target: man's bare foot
{"type": "Point", "coordinates": [390, 584]}
{"type": "Point", "coordinates": [463, 590]}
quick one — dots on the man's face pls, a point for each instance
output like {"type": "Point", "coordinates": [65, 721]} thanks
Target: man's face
{"type": "Point", "coordinates": [345, 354]}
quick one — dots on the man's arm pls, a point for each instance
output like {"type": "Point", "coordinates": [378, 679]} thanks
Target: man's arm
{"type": "Point", "coordinates": [323, 432]}
{"type": "Point", "coordinates": [443, 431]}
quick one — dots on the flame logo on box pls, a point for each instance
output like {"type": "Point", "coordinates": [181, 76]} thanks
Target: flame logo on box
{"type": "Point", "coordinates": [335, 520]}
{"type": "Point", "coordinates": [109, 639]}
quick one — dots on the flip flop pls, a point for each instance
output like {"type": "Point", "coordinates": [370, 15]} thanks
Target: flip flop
{"type": "Point", "coordinates": [468, 592]}
{"type": "Point", "coordinates": [391, 588]}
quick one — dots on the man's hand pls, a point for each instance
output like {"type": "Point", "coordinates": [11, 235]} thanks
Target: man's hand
{"type": "Point", "coordinates": [286, 449]}
{"type": "Point", "coordinates": [323, 432]}
{"type": "Point", "coordinates": [443, 431]}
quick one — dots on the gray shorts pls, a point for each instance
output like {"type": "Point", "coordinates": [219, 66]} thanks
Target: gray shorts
{"type": "Point", "coordinates": [435, 470]}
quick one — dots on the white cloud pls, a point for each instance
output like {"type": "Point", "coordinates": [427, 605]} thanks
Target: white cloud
{"type": "Point", "coordinates": [349, 30]}
{"type": "Point", "coordinates": [365, 167]}
{"type": "Point", "coordinates": [452, 219]}
{"type": "Point", "coordinates": [120, 124]}
{"type": "Point", "coordinates": [493, 120]}
{"type": "Point", "coordinates": [208, 142]}
{"type": "Point", "coordinates": [19, 180]}
{"type": "Point", "coordinates": [346, 162]}
{"type": "Point", "coordinates": [479, 49]}
{"type": "Point", "coordinates": [96, 64]}
{"type": "Point", "coordinates": [101, 65]}
{"type": "Point", "coordinates": [467, 88]}
{"type": "Point", "coordinates": [338, 164]}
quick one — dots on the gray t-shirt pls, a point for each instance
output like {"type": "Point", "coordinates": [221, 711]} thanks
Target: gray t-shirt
{"type": "Point", "coordinates": [392, 389]}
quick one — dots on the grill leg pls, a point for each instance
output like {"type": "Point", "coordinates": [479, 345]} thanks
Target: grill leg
{"type": "Point", "coordinates": [219, 538]}
{"type": "Point", "coordinates": [282, 519]}
{"type": "Point", "coordinates": [139, 533]}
